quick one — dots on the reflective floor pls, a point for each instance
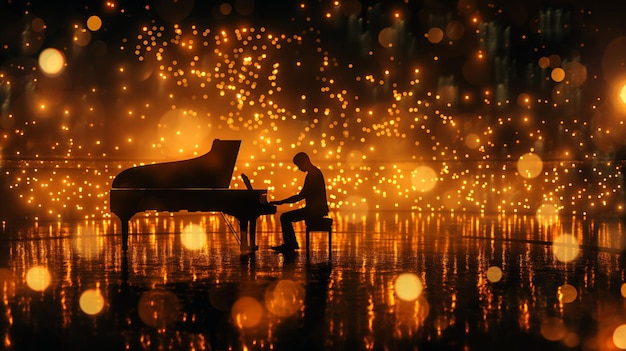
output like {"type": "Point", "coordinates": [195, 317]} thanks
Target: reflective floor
{"type": "Point", "coordinates": [396, 281]}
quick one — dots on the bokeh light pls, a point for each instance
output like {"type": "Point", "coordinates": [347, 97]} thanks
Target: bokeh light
{"type": "Point", "coordinates": [529, 165]}
{"type": "Point", "coordinates": [51, 62]}
{"type": "Point", "coordinates": [619, 337]}
{"type": "Point", "coordinates": [159, 308]}
{"type": "Point", "coordinates": [38, 278]}
{"type": "Point", "coordinates": [246, 312]}
{"type": "Point", "coordinates": [553, 329]}
{"type": "Point", "coordinates": [567, 293]}
{"type": "Point", "coordinates": [424, 178]}
{"type": "Point", "coordinates": [193, 237]}
{"type": "Point", "coordinates": [435, 35]}
{"type": "Point", "coordinates": [284, 298]}
{"type": "Point", "coordinates": [408, 286]}
{"type": "Point", "coordinates": [94, 23]}
{"type": "Point", "coordinates": [558, 74]}
{"type": "Point", "coordinates": [91, 301]}
{"type": "Point", "coordinates": [622, 94]}
{"type": "Point", "coordinates": [565, 248]}
{"type": "Point", "coordinates": [547, 214]}
{"type": "Point", "coordinates": [494, 274]}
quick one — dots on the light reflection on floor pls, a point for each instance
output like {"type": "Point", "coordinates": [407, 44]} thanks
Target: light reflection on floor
{"type": "Point", "coordinates": [486, 281]}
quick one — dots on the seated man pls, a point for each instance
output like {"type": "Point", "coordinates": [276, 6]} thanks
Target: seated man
{"type": "Point", "coordinates": [313, 193]}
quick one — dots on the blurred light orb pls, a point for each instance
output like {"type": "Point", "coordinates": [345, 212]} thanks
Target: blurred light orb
{"type": "Point", "coordinates": [82, 37]}
{"type": "Point", "coordinates": [193, 237]}
{"type": "Point", "coordinates": [613, 68]}
{"type": "Point", "coordinates": [51, 62]}
{"type": "Point", "coordinates": [575, 73]}
{"type": "Point", "coordinates": [435, 35]}
{"type": "Point", "coordinates": [285, 298]}
{"type": "Point", "coordinates": [94, 23]}
{"type": "Point", "coordinates": [565, 248]}
{"type": "Point", "coordinates": [38, 24]}
{"type": "Point", "coordinates": [91, 301]}
{"type": "Point", "coordinates": [553, 329]}
{"type": "Point", "coordinates": [451, 199]}
{"type": "Point", "coordinates": [472, 141]}
{"type": "Point", "coordinates": [225, 9]}
{"type": "Point", "coordinates": [246, 312]}
{"type": "Point", "coordinates": [619, 337]}
{"type": "Point", "coordinates": [244, 7]}
{"type": "Point", "coordinates": [424, 178]}
{"type": "Point", "coordinates": [494, 274]}
{"type": "Point", "coordinates": [529, 165]}
{"type": "Point", "coordinates": [523, 100]}
{"type": "Point", "coordinates": [557, 74]}
{"type": "Point", "coordinates": [567, 293]}
{"type": "Point", "coordinates": [38, 278]}
{"type": "Point", "coordinates": [544, 62]}
{"type": "Point", "coordinates": [547, 214]}
{"type": "Point", "coordinates": [388, 37]}
{"type": "Point", "coordinates": [158, 308]}
{"type": "Point", "coordinates": [455, 30]}
{"type": "Point", "coordinates": [623, 290]}
{"type": "Point", "coordinates": [408, 286]}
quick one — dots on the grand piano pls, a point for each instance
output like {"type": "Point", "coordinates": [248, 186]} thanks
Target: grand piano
{"type": "Point", "coordinates": [198, 184]}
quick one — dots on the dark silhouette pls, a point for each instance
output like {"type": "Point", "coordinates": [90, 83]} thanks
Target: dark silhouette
{"type": "Point", "coordinates": [313, 193]}
{"type": "Point", "coordinates": [198, 184]}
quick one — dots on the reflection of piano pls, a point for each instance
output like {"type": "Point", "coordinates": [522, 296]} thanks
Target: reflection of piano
{"type": "Point", "coordinates": [198, 184]}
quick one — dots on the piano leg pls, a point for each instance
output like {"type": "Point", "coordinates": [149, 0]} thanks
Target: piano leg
{"type": "Point", "coordinates": [243, 232]}
{"type": "Point", "coordinates": [247, 228]}
{"type": "Point", "coordinates": [124, 234]}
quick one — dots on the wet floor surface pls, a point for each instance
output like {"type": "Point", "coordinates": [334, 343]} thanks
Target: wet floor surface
{"type": "Point", "coordinates": [396, 281]}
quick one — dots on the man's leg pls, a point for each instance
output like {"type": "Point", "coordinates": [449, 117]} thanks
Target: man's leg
{"type": "Point", "coordinates": [286, 222]}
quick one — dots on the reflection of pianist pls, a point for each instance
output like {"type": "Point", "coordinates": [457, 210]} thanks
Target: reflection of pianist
{"type": "Point", "coordinates": [313, 193]}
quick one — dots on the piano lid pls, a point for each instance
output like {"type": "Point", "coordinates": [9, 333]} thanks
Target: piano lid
{"type": "Point", "coordinates": [211, 170]}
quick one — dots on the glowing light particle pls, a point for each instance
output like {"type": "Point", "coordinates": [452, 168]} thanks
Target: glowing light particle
{"type": "Point", "coordinates": [38, 278]}
{"type": "Point", "coordinates": [91, 301]}
{"type": "Point", "coordinates": [51, 62]}
{"type": "Point", "coordinates": [408, 286]}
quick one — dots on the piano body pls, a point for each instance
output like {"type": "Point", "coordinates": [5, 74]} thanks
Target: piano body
{"type": "Point", "coordinates": [198, 184]}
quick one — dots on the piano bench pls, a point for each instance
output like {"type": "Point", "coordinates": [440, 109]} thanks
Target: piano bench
{"type": "Point", "coordinates": [322, 224]}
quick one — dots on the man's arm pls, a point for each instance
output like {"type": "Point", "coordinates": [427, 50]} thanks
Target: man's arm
{"type": "Point", "coordinates": [289, 200]}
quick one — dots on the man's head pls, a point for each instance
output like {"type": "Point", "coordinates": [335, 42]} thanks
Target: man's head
{"type": "Point", "coordinates": [303, 161]}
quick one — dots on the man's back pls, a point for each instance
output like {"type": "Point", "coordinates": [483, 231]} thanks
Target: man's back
{"type": "Point", "coordinates": [314, 191]}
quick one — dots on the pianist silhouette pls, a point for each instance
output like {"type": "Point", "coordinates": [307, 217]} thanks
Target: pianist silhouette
{"type": "Point", "coordinates": [313, 192]}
